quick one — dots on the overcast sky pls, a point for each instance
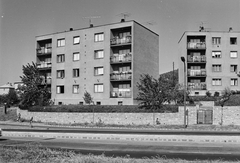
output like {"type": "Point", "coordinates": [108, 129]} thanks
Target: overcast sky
{"type": "Point", "coordinates": [22, 20]}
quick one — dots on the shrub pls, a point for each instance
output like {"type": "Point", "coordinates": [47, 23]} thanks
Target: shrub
{"type": "Point", "coordinates": [216, 94]}
{"type": "Point", "coordinates": [101, 108]}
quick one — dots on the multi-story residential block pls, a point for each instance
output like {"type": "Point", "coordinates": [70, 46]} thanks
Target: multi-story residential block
{"type": "Point", "coordinates": [212, 61]}
{"type": "Point", "coordinates": [105, 61]}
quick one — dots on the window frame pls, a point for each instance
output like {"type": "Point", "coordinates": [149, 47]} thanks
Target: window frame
{"type": "Point", "coordinates": [60, 86]}
{"type": "Point", "coordinates": [96, 71]}
{"type": "Point", "coordinates": [235, 79]}
{"type": "Point", "coordinates": [216, 67]}
{"type": "Point", "coordinates": [231, 52]}
{"type": "Point", "coordinates": [98, 38]}
{"type": "Point", "coordinates": [78, 56]}
{"type": "Point", "coordinates": [62, 56]}
{"type": "Point", "coordinates": [214, 80]}
{"type": "Point", "coordinates": [233, 40]}
{"type": "Point", "coordinates": [98, 90]}
{"type": "Point", "coordinates": [60, 43]}
{"type": "Point", "coordinates": [76, 75]}
{"type": "Point", "coordinates": [75, 85]}
{"type": "Point", "coordinates": [78, 42]}
{"type": "Point", "coordinates": [62, 74]}
{"type": "Point", "coordinates": [216, 54]}
{"type": "Point", "coordinates": [96, 52]}
{"type": "Point", "coordinates": [234, 68]}
{"type": "Point", "coordinates": [216, 40]}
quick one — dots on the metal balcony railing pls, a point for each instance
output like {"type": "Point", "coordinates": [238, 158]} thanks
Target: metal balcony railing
{"type": "Point", "coordinates": [116, 58]}
{"type": "Point", "coordinates": [197, 72]}
{"type": "Point", "coordinates": [196, 59]}
{"type": "Point", "coordinates": [44, 50]}
{"type": "Point", "coordinates": [197, 86]}
{"type": "Point", "coordinates": [123, 40]}
{"type": "Point", "coordinates": [121, 76]}
{"type": "Point", "coordinates": [196, 45]}
{"type": "Point", "coordinates": [120, 94]}
{"type": "Point", "coordinates": [43, 65]}
{"type": "Point", "coordinates": [47, 81]}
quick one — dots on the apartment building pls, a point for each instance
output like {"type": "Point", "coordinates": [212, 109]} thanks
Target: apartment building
{"type": "Point", "coordinates": [105, 61]}
{"type": "Point", "coordinates": [212, 61]}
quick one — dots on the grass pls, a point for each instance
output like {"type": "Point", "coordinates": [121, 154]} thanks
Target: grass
{"type": "Point", "coordinates": [33, 153]}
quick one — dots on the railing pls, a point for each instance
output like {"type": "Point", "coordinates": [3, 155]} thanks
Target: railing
{"type": "Point", "coordinates": [123, 40]}
{"type": "Point", "coordinates": [44, 65]}
{"type": "Point", "coordinates": [197, 72]}
{"type": "Point", "coordinates": [47, 81]}
{"type": "Point", "coordinates": [43, 50]}
{"type": "Point", "coordinates": [196, 45]}
{"type": "Point", "coordinates": [197, 86]}
{"type": "Point", "coordinates": [121, 58]}
{"type": "Point", "coordinates": [120, 94]}
{"type": "Point", "coordinates": [121, 76]}
{"type": "Point", "coordinates": [196, 59]}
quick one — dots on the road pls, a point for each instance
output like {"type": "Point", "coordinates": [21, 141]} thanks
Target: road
{"type": "Point", "coordinates": [136, 143]}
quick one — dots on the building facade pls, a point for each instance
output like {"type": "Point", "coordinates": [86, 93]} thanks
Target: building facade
{"type": "Point", "coordinates": [4, 89]}
{"type": "Point", "coordinates": [105, 61]}
{"type": "Point", "coordinates": [212, 61]}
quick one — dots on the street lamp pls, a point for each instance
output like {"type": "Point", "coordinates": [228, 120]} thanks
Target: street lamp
{"type": "Point", "coordinates": [184, 62]}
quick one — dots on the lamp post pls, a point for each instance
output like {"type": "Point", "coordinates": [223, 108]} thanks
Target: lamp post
{"type": "Point", "coordinates": [184, 62]}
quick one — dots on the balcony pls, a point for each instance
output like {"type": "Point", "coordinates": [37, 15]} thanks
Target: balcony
{"type": "Point", "coordinates": [196, 59]}
{"type": "Point", "coordinates": [119, 76]}
{"type": "Point", "coordinates": [44, 65]}
{"type": "Point", "coordinates": [120, 94]}
{"type": "Point", "coordinates": [44, 51]}
{"type": "Point", "coordinates": [197, 73]}
{"type": "Point", "coordinates": [47, 81]}
{"type": "Point", "coordinates": [197, 86]}
{"type": "Point", "coordinates": [121, 58]}
{"type": "Point", "coordinates": [119, 41]}
{"type": "Point", "coordinates": [196, 45]}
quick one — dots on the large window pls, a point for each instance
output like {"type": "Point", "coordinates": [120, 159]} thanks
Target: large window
{"type": "Point", "coordinates": [98, 88]}
{"type": "Point", "coordinates": [234, 82]}
{"type": "Point", "coordinates": [216, 40]}
{"type": "Point", "coordinates": [76, 40]}
{"type": "Point", "coordinates": [61, 42]}
{"type": "Point", "coordinates": [216, 68]}
{"type": "Point", "coordinates": [75, 89]}
{"type": "Point", "coordinates": [60, 74]}
{"type": "Point", "coordinates": [98, 71]}
{"type": "Point", "coordinates": [217, 81]}
{"type": "Point", "coordinates": [233, 54]}
{"type": "Point", "coordinates": [60, 58]}
{"type": "Point", "coordinates": [216, 54]}
{"type": "Point", "coordinates": [60, 89]}
{"type": "Point", "coordinates": [76, 56]}
{"type": "Point", "coordinates": [98, 37]}
{"type": "Point", "coordinates": [233, 68]}
{"type": "Point", "coordinates": [75, 72]}
{"type": "Point", "coordinates": [98, 54]}
{"type": "Point", "coordinates": [233, 40]}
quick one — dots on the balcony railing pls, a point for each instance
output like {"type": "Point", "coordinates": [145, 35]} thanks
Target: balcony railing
{"type": "Point", "coordinates": [43, 65]}
{"type": "Point", "coordinates": [197, 72]}
{"type": "Point", "coordinates": [197, 86]}
{"type": "Point", "coordinates": [196, 59]}
{"type": "Point", "coordinates": [196, 45]}
{"type": "Point", "coordinates": [47, 81]}
{"type": "Point", "coordinates": [116, 58]}
{"type": "Point", "coordinates": [121, 76]}
{"type": "Point", "coordinates": [120, 94]}
{"type": "Point", "coordinates": [44, 50]}
{"type": "Point", "coordinates": [123, 40]}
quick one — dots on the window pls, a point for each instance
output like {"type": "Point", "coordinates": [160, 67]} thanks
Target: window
{"type": "Point", "coordinates": [60, 89]}
{"type": "Point", "coordinates": [120, 103]}
{"type": "Point", "coordinates": [98, 103]}
{"type": "Point", "coordinates": [217, 68]}
{"type": "Point", "coordinates": [233, 68]}
{"type": "Point", "coordinates": [60, 74]}
{"type": "Point", "coordinates": [233, 41]}
{"type": "Point", "coordinates": [98, 37]}
{"type": "Point", "coordinates": [60, 58]}
{"type": "Point", "coordinates": [75, 89]}
{"type": "Point", "coordinates": [216, 40]}
{"type": "Point", "coordinates": [98, 54]}
{"type": "Point", "coordinates": [75, 72]}
{"type": "Point", "coordinates": [233, 54]}
{"type": "Point", "coordinates": [216, 54]}
{"type": "Point", "coordinates": [98, 88]}
{"type": "Point", "coordinates": [80, 103]}
{"type": "Point", "coordinates": [76, 56]}
{"type": "Point", "coordinates": [217, 81]}
{"type": "Point", "coordinates": [98, 71]}
{"type": "Point", "coordinates": [76, 40]}
{"type": "Point", "coordinates": [60, 42]}
{"type": "Point", "coordinates": [234, 82]}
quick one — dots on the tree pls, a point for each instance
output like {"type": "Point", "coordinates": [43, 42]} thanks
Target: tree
{"type": "Point", "coordinates": [33, 92]}
{"type": "Point", "coordinates": [12, 97]}
{"type": "Point", "coordinates": [88, 98]}
{"type": "Point", "coordinates": [153, 92]}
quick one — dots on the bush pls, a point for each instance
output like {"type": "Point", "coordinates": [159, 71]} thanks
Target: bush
{"type": "Point", "coordinates": [100, 108]}
{"type": "Point", "coordinates": [233, 101]}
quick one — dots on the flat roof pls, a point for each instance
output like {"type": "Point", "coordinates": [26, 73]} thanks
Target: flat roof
{"type": "Point", "coordinates": [99, 26]}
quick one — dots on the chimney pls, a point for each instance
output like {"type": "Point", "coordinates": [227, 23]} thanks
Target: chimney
{"type": "Point", "coordinates": [91, 25]}
{"type": "Point", "coordinates": [122, 20]}
{"type": "Point", "coordinates": [230, 29]}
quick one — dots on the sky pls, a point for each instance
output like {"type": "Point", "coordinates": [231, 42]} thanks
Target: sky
{"type": "Point", "coordinates": [22, 20]}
